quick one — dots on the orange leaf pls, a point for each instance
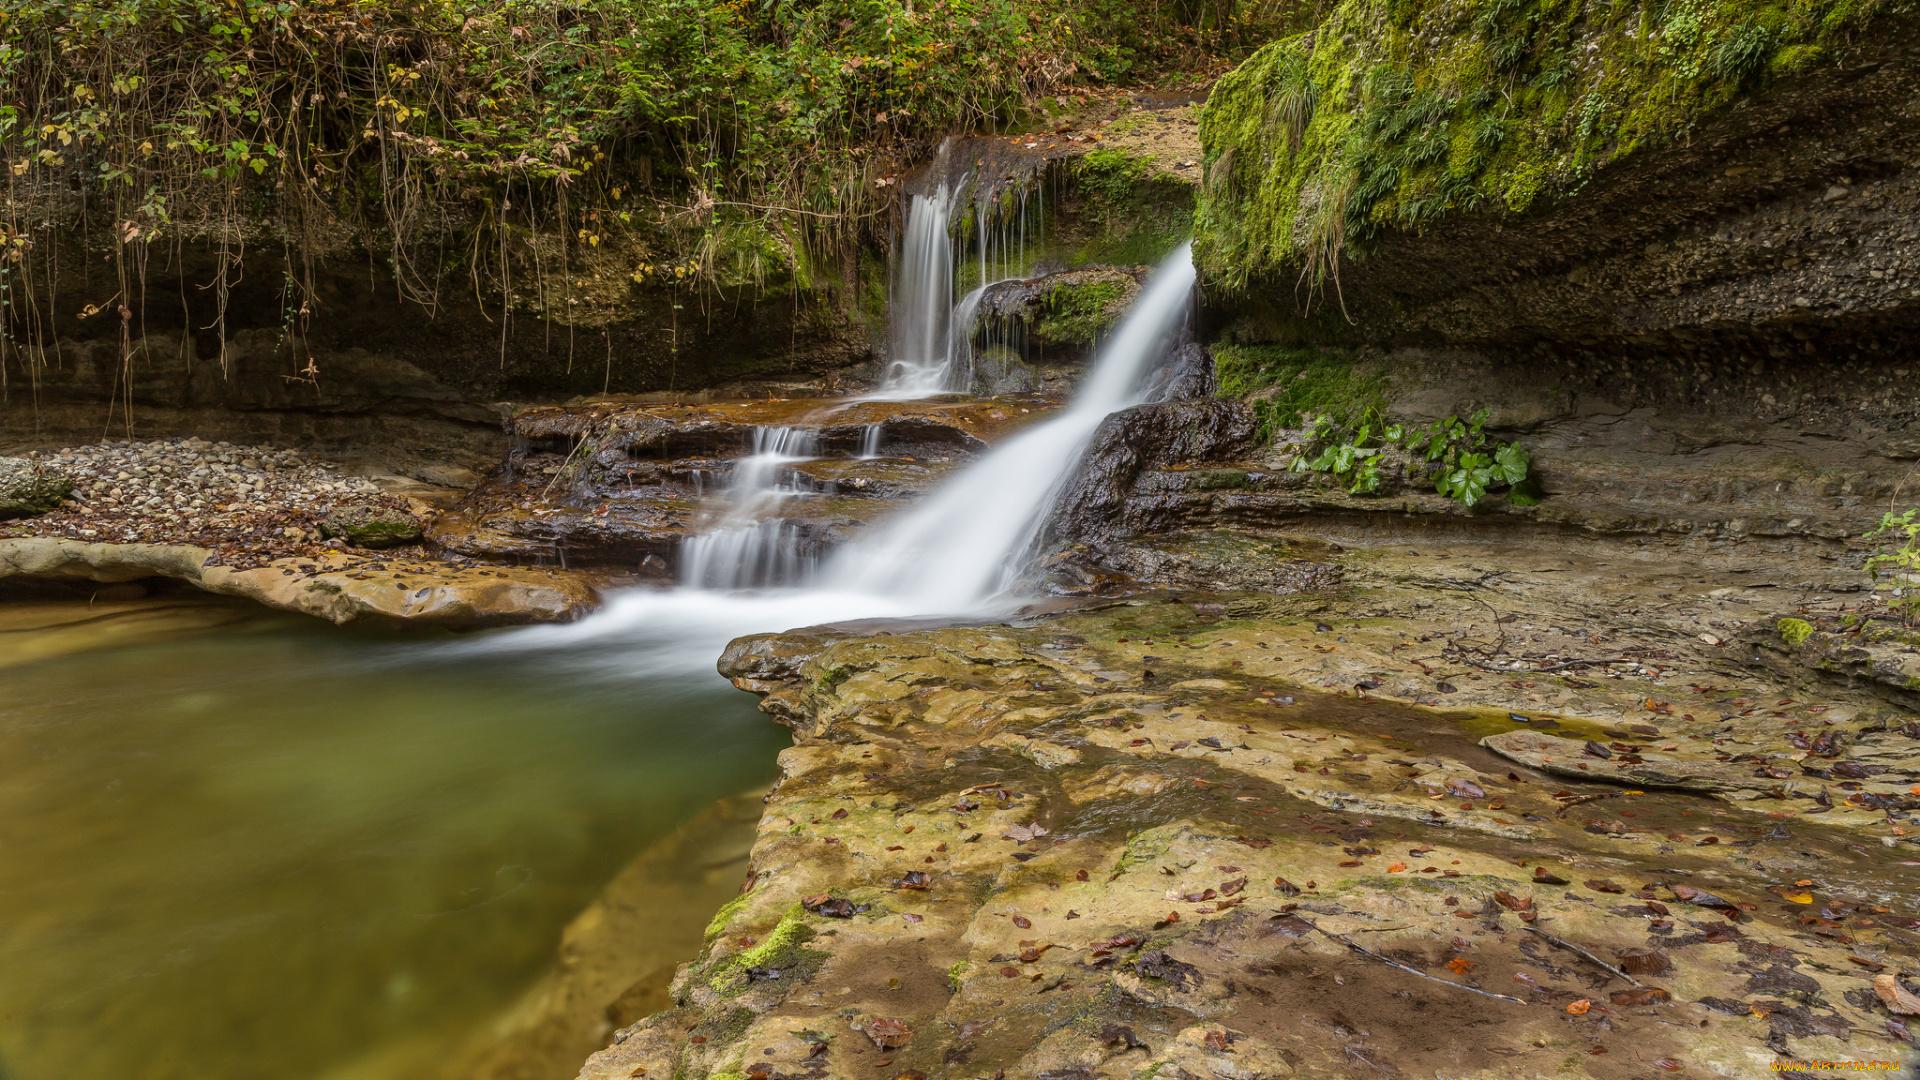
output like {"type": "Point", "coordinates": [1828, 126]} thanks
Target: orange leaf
{"type": "Point", "coordinates": [1579, 1008]}
{"type": "Point", "coordinates": [1396, 868]}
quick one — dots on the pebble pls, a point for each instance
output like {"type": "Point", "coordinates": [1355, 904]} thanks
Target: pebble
{"type": "Point", "coordinates": [250, 503]}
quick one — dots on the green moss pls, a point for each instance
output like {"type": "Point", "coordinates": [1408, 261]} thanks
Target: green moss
{"type": "Point", "coordinates": [1077, 313]}
{"type": "Point", "coordinates": [1286, 385]}
{"type": "Point", "coordinates": [781, 945]}
{"type": "Point", "coordinates": [1142, 214]}
{"type": "Point", "coordinates": [1393, 114]}
{"type": "Point", "coordinates": [725, 915]}
{"type": "Point", "coordinates": [1795, 631]}
{"type": "Point", "coordinates": [784, 950]}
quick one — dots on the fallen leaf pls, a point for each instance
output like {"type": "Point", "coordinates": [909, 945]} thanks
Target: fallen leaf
{"type": "Point", "coordinates": [1579, 1008]}
{"type": "Point", "coordinates": [1396, 868]}
{"type": "Point", "coordinates": [1460, 966]}
{"type": "Point", "coordinates": [888, 1034]}
{"type": "Point", "coordinates": [1023, 922]}
{"type": "Point", "coordinates": [1897, 997]}
{"type": "Point", "coordinates": [1640, 995]}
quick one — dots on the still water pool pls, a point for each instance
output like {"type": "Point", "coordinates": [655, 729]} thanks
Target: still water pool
{"type": "Point", "coordinates": [238, 845]}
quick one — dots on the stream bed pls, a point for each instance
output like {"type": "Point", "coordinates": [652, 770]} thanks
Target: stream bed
{"type": "Point", "coordinates": [239, 844]}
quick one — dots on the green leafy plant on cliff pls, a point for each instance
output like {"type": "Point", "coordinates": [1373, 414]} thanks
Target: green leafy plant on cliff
{"type": "Point", "coordinates": [1896, 558]}
{"type": "Point", "coordinates": [1463, 461]}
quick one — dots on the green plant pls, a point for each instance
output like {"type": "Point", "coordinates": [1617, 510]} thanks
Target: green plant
{"type": "Point", "coordinates": [1896, 556]}
{"type": "Point", "coordinates": [1472, 462]}
{"type": "Point", "coordinates": [1465, 462]}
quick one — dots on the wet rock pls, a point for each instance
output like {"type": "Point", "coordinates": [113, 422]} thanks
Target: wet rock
{"type": "Point", "coordinates": [1186, 433]}
{"type": "Point", "coordinates": [28, 488]}
{"type": "Point", "coordinates": [368, 526]}
{"type": "Point", "coordinates": [1187, 375]}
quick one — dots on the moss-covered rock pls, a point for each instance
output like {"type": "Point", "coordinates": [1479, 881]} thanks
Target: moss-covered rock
{"type": "Point", "coordinates": [29, 487]}
{"type": "Point", "coordinates": [367, 526]}
{"type": "Point", "coordinates": [1395, 114]}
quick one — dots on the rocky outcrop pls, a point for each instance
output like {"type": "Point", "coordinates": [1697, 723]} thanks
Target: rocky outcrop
{"type": "Point", "coordinates": [346, 403]}
{"type": "Point", "coordinates": [1184, 435]}
{"type": "Point", "coordinates": [1244, 837]}
{"type": "Point", "coordinates": [339, 588]}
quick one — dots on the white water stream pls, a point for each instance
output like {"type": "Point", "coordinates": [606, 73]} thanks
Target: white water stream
{"type": "Point", "coordinates": [958, 552]}
{"type": "Point", "coordinates": [931, 350]}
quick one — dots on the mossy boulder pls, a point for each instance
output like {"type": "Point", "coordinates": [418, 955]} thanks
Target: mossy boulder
{"type": "Point", "coordinates": [367, 526]}
{"type": "Point", "coordinates": [1392, 116]}
{"type": "Point", "coordinates": [28, 488]}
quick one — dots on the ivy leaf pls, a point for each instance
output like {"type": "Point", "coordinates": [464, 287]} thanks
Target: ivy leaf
{"type": "Point", "coordinates": [1511, 463]}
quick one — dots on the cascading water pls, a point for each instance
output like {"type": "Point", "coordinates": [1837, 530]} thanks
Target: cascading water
{"type": "Point", "coordinates": [931, 348]}
{"type": "Point", "coordinates": [922, 301]}
{"type": "Point", "coordinates": [970, 539]}
{"type": "Point", "coordinates": [957, 552]}
{"type": "Point", "coordinates": [746, 548]}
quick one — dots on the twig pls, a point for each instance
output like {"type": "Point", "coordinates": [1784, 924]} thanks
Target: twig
{"type": "Point", "coordinates": [1359, 948]}
{"type": "Point", "coordinates": [1571, 947]}
{"type": "Point", "coordinates": [1544, 670]}
{"type": "Point", "coordinates": [1578, 799]}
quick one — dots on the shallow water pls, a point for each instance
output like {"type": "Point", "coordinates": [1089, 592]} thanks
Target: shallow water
{"type": "Point", "coordinates": [239, 845]}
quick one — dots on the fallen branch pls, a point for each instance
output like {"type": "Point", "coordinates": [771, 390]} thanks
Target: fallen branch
{"type": "Point", "coordinates": [1359, 948]}
{"type": "Point", "coordinates": [1571, 947]}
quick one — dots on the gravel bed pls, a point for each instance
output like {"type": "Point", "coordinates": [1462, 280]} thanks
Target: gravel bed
{"type": "Point", "coordinates": [249, 504]}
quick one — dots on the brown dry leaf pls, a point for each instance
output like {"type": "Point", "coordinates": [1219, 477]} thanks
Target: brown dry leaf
{"type": "Point", "coordinates": [1643, 995]}
{"type": "Point", "coordinates": [1896, 996]}
{"type": "Point", "coordinates": [1023, 922]}
{"type": "Point", "coordinates": [888, 1034]}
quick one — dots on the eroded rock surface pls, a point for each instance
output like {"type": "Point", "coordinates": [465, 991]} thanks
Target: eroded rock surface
{"type": "Point", "coordinates": [338, 587]}
{"type": "Point", "coordinates": [1240, 835]}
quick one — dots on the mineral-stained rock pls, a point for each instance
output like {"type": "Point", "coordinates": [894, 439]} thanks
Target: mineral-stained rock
{"type": "Point", "coordinates": [30, 487]}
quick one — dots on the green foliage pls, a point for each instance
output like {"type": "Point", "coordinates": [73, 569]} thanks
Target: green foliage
{"type": "Point", "coordinates": [1286, 385]}
{"type": "Point", "coordinates": [1464, 462]}
{"type": "Point", "coordinates": [673, 141]}
{"type": "Point", "coordinates": [1419, 109]}
{"type": "Point", "coordinates": [1794, 631]}
{"type": "Point", "coordinates": [1896, 557]}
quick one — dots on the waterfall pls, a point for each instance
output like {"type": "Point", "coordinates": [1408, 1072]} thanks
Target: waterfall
{"type": "Point", "coordinates": [931, 348]}
{"type": "Point", "coordinates": [921, 302]}
{"type": "Point", "coordinates": [745, 548]}
{"type": "Point", "coordinates": [972, 538]}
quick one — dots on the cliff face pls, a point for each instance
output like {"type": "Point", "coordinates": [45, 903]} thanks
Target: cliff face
{"type": "Point", "coordinates": [1648, 179]}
